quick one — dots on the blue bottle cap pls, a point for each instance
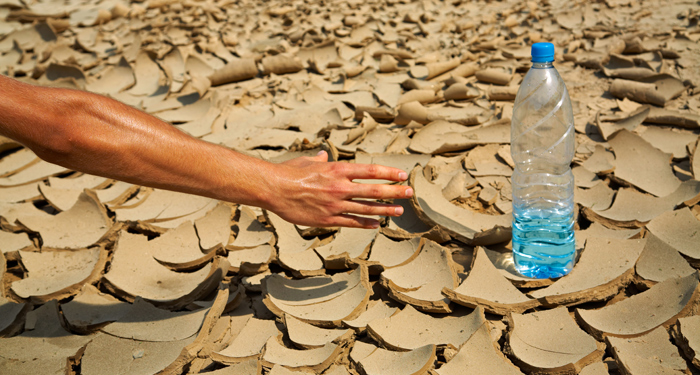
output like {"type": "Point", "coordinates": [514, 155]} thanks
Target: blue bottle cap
{"type": "Point", "coordinates": [542, 52]}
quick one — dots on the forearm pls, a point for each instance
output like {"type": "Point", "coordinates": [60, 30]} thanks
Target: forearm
{"type": "Point", "coordinates": [101, 136]}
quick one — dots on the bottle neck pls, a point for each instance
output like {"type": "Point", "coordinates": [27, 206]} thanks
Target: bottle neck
{"type": "Point", "coordinates": [542, 65]}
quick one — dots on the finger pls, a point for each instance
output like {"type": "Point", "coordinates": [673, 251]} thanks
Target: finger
{"type": "Point", "coordinates": [352, 221]}
{"type": "Point", "coordinates": [375, 172]}
{"type": "Point", "coordinates": [372, 208]}
{"type": "Point", "coordinates": [380, 191]}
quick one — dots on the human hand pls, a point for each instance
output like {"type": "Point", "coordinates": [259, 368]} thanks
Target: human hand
{"type": "Point", "coordinates": [314, 192]}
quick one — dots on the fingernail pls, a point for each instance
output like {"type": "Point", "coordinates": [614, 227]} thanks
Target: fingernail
{"type": "Point", "coordinates": [403, 175]}
{"type": "Point", "coordinates": [320, 153]}
{"type": "Point", "coordinates": [409, 193]}
{"type": "Point", "coordinates": [398, 211]}
{"type": "Point", "coordinates": [374, 224]}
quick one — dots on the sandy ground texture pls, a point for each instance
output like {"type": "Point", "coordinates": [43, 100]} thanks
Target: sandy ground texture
{"type": "Point", "coordinates": [103, 277]}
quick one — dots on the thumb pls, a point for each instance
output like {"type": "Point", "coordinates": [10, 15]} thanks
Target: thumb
{"type": "Point", "coordinates": [322, 156]}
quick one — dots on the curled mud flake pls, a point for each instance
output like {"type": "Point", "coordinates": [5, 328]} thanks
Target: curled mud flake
{"type": "Point", "coordinates": [485, 286]}
{"type": "Point", "coordinates": [281, 64]}
{"type": "Point", "coordinates": [502, 258]}
{"type": "Point", "coordinates": [417, 361]}
{"type": "Point", "coordinates": [661, 305]}
{"type": "Point", "coordinates": [683, 119]}
{"type": "Point", "coordinates": [56, 274]}
{"type": "Point", "coordinates": [441, 136]}
{"type": "Point", "coordinates": [694, 150]}
{"type": "Point", "coordinates": [477, 356]}
{"type": "Point", "coordinates": [600, 162]}
{"type": "Point", "coordinates": [651, 353]}
{"type": "Point", "coordinates": [294, 252]}
{"type": "Point", "coordinates": [307, 336]}
{"type": "Point", "coordinates": [406, 226]}
{"type": "Point", "coordinates": [655, 90]}
{"type": "Point", "coordinates": [465, 225]}
{"type": "Point", "coordinates": [214, 229]}
{"type": "Point", "coordinates": [11, 314]}
{"type": "Point", "coordinates": [641, 164]}
{"type": "Point", "coordinates": [387, 253]}
{"type": "Point", "coordinates": [599, 197]}
{"type": "Point", "coordinates": [157, 284]}
{"type": "Point", "coordinates": [498, 76]}
{"type": "Point", "coordinates": [178, 249]}
{"type": "Point", "coordinates": [659, 261]}
{"type": "Point", "coordinates": [420, 281]}
{"type": "Point", "coordinates": [249, 343]}
{"type": "Point", "coordinates": [162, 205]}
{"type": "Point", "coordinates": [412, 111]}
{"type": "Point", "coordinates": [632, 209]}
{"type": "Point", "coordinates": [86, 223]}
{"type": "Point", "coordinates": [461, 91]}
{"type": "Point", "coordinates": [234, 71]}
{"type": "Point", "coordinates": [163, 225]}
{"type": "Point", "coordinates": [251, 261]}
{"type": "Point", "coordinates": [32, 173]}
{"type": "Point", "coordinates": [375, 310]}
{"type": "Point", "coordinates": [113, 79]}
{"type": "Point", "coordinates": [19, 194]}
{"type": "Point", "coordinates": [348, 246]}
{"type": "Point", "coordinates": [621, 67]}
{"type": "Point", "coordinates": [64, 76]}
{"type": "Point", "coordinates": [410, 329]}
{"type": "Point", "coordinates": [550, 342]}
{"type": "Point", "coordinates": [686, 334]}
{"type": "Point", "coordinates": [669, 141]}
{"type": "Point", "coordinates": [17, 161]}
{"type": "Point", "coordinates": [148, 75]}
{"type": "Point", "coordinates": [91, 309]}
{"type": "Point", "coordinates": [433, 69]}
{"type": "Point", "coordinates": [503, 93]}
{"type": "Point", "coordinates": [251, 232]}
{"type": "Point", "coordinates": [421, 96]}
{"type": "Point", "coordinates": [80, 182]}
{"type": "Point", "coordinates": [324, 301]}
{"type": "Point", "coordinates": [599, 274]}
{"type": "Point", "coordinates": [313, 360]}
{"type": "Point", "coordinates": [12, 243]}
{"type": "Point", "coordinates": [607, 129]}
{"type": "Point", "coordinates": [680, 230]}
{"type": "Point", "coordinates": [145, 322]}
{"type": "Point", "coordinates": [186, 113]}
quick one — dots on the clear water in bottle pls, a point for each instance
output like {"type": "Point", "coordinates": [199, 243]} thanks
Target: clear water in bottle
{"type": "Point", "coordinates": [542, 146]}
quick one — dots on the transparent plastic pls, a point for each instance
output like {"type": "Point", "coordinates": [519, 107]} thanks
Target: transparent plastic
{"type": "Point", "coordinates": [542, 146]}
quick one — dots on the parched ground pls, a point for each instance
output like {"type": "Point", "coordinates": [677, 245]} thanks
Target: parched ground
{"type": "Point", "coordinates": [104, 277]}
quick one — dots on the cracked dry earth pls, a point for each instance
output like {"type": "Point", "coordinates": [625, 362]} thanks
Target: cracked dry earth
{"type": "Point", "coordinates": [103, 277]}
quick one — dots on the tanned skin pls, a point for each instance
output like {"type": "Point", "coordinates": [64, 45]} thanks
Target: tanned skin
{"type": "Point", "coordinates": [94, 134]}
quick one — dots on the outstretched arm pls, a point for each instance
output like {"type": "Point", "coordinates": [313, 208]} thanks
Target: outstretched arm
{"type": "Point", "coordinates": [97, 135]}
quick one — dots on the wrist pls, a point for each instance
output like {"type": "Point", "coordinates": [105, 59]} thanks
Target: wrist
{"type": "Point", "coordinates": [249, 180]}
{"type": "Point", "coordinates": [271, 191]}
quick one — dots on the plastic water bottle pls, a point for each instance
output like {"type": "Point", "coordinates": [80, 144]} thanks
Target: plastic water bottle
{"type": "Point", "coordinates": [542, 146]}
